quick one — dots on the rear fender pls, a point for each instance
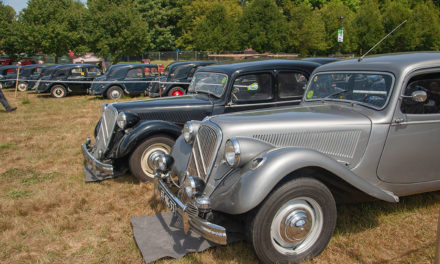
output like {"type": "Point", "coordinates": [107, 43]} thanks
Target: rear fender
{"type": "Point", "coordinates": [241, 196]}
{"type": "Point", "coordinates": [144, 131]}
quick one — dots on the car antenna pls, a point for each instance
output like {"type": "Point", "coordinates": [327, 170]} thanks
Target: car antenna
{"type": "Point", "coordinates": [361, 58]}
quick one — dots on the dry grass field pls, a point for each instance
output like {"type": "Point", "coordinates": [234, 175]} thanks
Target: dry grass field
{"type": "Point", "coordinates": [48, 214]}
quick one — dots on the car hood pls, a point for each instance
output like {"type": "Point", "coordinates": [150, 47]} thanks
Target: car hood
{"type": "Point", "coordinates": [338, 131]}
{"type": "Point", "coordinates": [178, 109]}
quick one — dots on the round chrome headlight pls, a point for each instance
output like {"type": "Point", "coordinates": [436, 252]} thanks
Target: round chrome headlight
{"type": "Point", "coordinates": [232, 152]}
{"type": "Point", "coordinates": [193, 186]}
{"type": "Point", "coordinates": [188, 132]}
{"type": "Point", "coordinates": [122, 120]}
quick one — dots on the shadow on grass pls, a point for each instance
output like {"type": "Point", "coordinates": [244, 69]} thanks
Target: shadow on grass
{"type": "Point", "coordinates": [355, 218]}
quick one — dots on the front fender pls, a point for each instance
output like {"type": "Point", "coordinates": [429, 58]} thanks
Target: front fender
{"type": "Point", "coordinates": [252, 186]}
{"type": "Point", "coordinates": [144, 130]}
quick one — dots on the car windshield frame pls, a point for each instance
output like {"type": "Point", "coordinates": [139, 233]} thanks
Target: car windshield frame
{"type": "Point", "coordinates": [328, 97]}
{"type": "Point", "coordinates": [192, 87]}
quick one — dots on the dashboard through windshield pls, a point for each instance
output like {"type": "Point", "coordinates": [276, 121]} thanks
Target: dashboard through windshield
{"type": "Point", "coordinates": [366, 88]}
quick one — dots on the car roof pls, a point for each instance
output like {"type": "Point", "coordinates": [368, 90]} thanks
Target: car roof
{"type": "Point", "coordinates": [178, 63]}
{"type": "Point", "coordinates": [130, 65]}
{"type": "Point", "coordinates": [321, 60]}
{"type": "Point", "coordinates": [8, 67]}
{"type": "Point", "coordinates": [230, 68]}
{"type": "Point", "coordinates": [397, 63]}
{"type": "Point", "coordinates": [74, 65]}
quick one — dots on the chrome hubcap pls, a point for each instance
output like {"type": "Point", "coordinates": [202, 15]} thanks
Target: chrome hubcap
{"type": "Point", "coordinates": [59, 92]}
{"type": "Point", "coordinates": [115, 94]}
{"type": "Point", "coordinates": [149, 155]}
{"type": "Point", "coordinates": [296, 225]}
{"type": "Point", "coordinates": [22, 87]}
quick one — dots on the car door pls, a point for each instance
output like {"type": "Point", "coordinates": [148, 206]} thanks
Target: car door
{"type": "Point", "coordinates": [251, 91]}
{"type": "Point", "coordinates": [290, 87]}
{"type": "Point", "coordinates": [75, 79]}
{"type": "Point", "coordinates": [135, 80]}
{"type": "Point", "coordinates": [413, 141]}
{"type": "Point", "coordinates": [91, 73]}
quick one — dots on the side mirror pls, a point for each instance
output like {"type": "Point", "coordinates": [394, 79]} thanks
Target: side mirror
{"type": "Point", "coordinates": [419, 96]}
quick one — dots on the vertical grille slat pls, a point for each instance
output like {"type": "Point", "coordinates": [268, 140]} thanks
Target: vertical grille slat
{"type": "Point", "coordinates": [105, 132]}
{"type": "Point", "coordinates": [204, 152]}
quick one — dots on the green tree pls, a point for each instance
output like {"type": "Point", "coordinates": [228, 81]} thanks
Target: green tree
{"type": "Point", "coordinates": [306, 31]}
{"type": "Point", "coordinates": [161, 17]}
{"type": "Point", "coordinates": [404, 38]}
{"type": "Point", "coordinates": [53, 26]}
{"type": "Point", "coordinates": [263, 26]}
{"type": "Point", "coordinates": [331, 14]}
{"type": "Point", "coordinates": [368, 25]}
{"type": "Point", "coordinates": [116, 29]}
{"type": "Point", "coordinates": [195, 16]}
{"type": "Point", "coordinates": [216, 31]}
{"type": "Point", "coordinates": [425, 26]}
{"type": "Point", "coordinates": [9, 31]}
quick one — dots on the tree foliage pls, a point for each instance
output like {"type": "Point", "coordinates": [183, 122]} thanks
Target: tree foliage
{"type": "Point", "coordinates": [115, 28]}
{"type": "Point", "coordinates": [263, 26]}
{"type": "Point", "coordinates": [52, 27]}
{"type": "Point", "coordinates": [161, 17]}
{"type": "Point", "coordinates": [118, 28]}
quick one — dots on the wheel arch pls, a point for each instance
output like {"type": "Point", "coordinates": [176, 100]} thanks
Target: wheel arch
{"type": "Point", "coordinates": [145, 131]}
{"type": "Point", "coordinates": [283, 164]}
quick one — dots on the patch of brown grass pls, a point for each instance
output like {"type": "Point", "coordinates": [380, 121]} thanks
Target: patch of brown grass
{"type": "Point", "coordinates": [48, 214]}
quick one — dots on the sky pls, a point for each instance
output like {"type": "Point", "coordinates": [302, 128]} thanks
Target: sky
{"type": "Point", "coordinates": [18, 5]}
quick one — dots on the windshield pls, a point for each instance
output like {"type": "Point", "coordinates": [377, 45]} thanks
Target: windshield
{"type": "Point", "coordinates": [208, 82]}
{"type": "Point", "coordinates": [372, 89]}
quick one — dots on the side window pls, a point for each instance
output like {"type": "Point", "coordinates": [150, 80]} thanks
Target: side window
{"type": "Point", "coordinates": [76, 73]}
{"type": "Point", "coordinates": [252, 87]}
{"type": "Point", "coordinates": [93, 71]}
{"type": "Point", "coordinates": [291, 84]}
{"type": "Point", "coordinates": [429, 83]}
{"type": "Point", "coordinates": [134, 73]}
{"type": "Point", "coordinates": [60, 73]}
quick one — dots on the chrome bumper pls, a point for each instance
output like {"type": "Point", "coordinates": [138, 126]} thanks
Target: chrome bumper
{"type": "Point", "coordinates": [95, 170]}
{"type": "Point", "coordinates": [209, 231]}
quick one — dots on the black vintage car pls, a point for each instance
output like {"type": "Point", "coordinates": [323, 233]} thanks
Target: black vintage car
{"type": "Point", "coordinates": [69, 78]}
{"type": "Point", "coordinates": [176, 78]}
{"type": "Point", "coordinates": [8, 76]}
{"type": "Point", "coordinates": [33, 80]}
{"type": "Point", "coordinates": [28, 75]}
{"type": "Point", "coordinates": [131, 134]}
{"type": "Point", "coordinates": [129, 78]}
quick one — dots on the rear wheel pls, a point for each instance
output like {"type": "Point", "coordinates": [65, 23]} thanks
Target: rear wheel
{"type": "Point", "coordinates": [295, 222]}
{"type": "Point", "coordinates": [141, 160]}
{"type": "Point", "coordinates": [58, 91]}
{"type": "Point", "coordinates": [22, 86]}
{"type": "Point", "coordinates": [176, 91]}
{"type": "Point", "coordinates": [114, 93]}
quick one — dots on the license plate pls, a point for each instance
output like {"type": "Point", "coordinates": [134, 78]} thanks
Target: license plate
{"type": "Point", "coordinates": [167, 200]}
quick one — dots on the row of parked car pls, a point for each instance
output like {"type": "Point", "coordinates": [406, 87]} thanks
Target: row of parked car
{"type": "Point", "coordinates": [238, 151]}
{"type": "Point", "coordinates": [120, 79]}
{"type": "Point", "coordinates": [130, 79]}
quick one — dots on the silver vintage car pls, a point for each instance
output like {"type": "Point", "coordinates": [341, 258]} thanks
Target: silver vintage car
{"type": "Point", "coordinates": [366, 129]}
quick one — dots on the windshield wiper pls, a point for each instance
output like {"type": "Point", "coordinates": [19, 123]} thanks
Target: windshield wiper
{"type": "Point", "coordinates": [335, 93]}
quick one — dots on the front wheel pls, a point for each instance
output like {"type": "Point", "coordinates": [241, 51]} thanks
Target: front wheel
{"type": "Point", "coordinates": [141, 160]}
{"type": "Point", "coordinates": [295, 222]}
{"type": "Point", "coordinates": [176, 91]}
{"type": "Point", "coordinates": [22, 86]}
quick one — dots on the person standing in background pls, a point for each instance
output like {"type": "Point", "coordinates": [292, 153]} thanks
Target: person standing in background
{"type": "Point", "coordinates": [4, 102]}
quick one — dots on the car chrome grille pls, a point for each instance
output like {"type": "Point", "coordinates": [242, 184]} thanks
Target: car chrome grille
{"type": "Point", "coordinates": [105, 130]}
{"type": "Point", "coordinates": [203, 152]}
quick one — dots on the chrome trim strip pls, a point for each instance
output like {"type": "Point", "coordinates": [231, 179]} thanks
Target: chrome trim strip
{"type": "Point", "coordinates": [416, 122]}
{"type": "Point", "coordinates": [201, 156]}
{"type": "Point", "coordinates": [270, 103]}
